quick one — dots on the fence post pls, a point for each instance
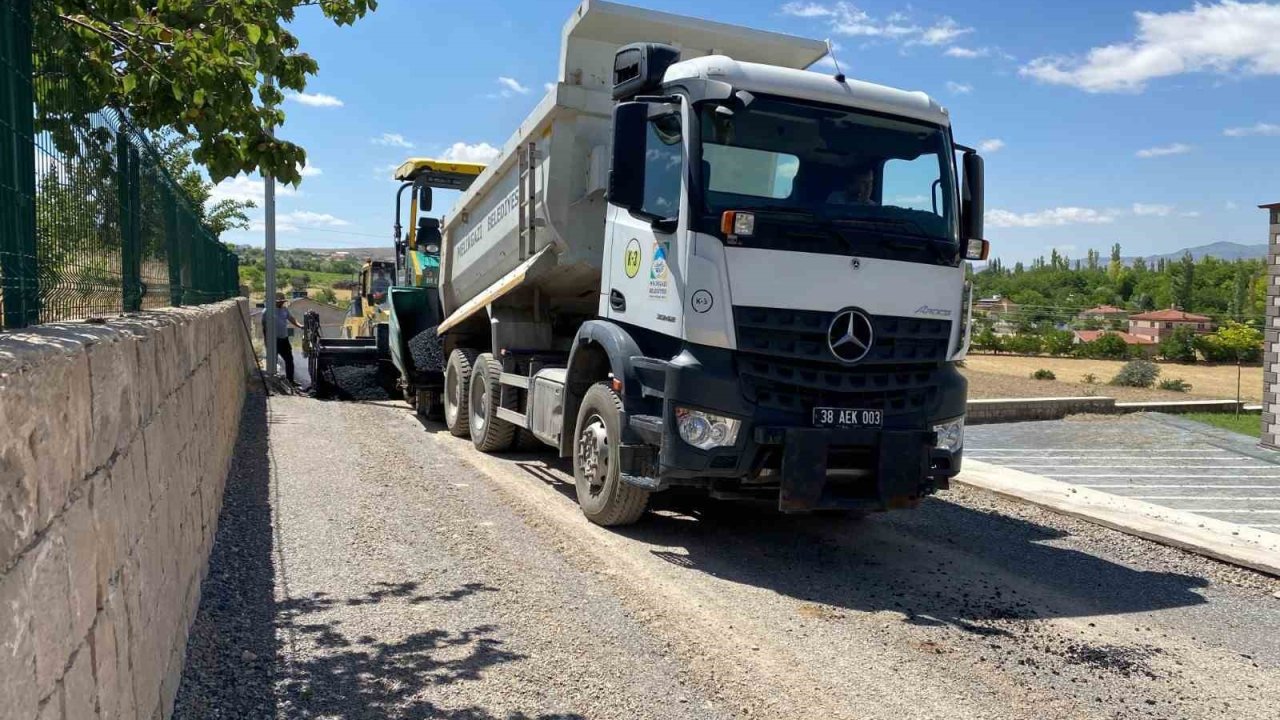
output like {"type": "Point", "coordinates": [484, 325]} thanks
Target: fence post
{"type": "Point", "coordinates": [130, 237]}
{"type": "Point", "coordinates": [172, 249]}
{"type": "Point", "coordinates": [18, 264]}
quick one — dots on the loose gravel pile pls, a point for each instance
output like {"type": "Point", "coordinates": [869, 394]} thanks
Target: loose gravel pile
{"type": "Point", "coordinates": [427, 351]}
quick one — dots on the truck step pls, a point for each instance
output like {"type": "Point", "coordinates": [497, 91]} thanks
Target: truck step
{"type": "Point", "coordinates": [510, 416]}
{"type": "Point", "coordinates": [514, 380]}
{"type": "Point", "coordinates": [648, 427]}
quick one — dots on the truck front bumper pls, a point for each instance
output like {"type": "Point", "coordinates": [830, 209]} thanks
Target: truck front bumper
{"type": "Point", "coordinates": [809, 468]}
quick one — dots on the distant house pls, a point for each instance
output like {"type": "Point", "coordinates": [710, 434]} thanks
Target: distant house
{"type": "Point", "coordinates": [1146, 343]}
{"type": "Point", "coordinates": [1104, 312]}
{"type": "Point", "coordinates": [1160, 324]}
{"type": "Point", "coordinates": [995, 306]}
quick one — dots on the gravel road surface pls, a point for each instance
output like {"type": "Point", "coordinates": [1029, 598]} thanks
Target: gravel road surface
{"type": "Point", "coordinates": [368, 565]}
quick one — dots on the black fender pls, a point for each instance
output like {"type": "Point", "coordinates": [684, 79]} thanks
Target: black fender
{"type": "Point", "coordinates": [596, 337]}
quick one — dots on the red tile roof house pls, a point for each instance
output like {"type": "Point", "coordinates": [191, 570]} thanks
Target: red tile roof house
{"type": "Point", "coordinates": [1160, 324]}
{"type": "Point", "coordinates": [1148, 344]}
{"type": "Point", "coordinates": [1103, 312]}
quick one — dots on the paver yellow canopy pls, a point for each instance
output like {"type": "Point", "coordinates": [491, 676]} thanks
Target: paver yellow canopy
{"type": "Point", "coordinates": [443, 174]}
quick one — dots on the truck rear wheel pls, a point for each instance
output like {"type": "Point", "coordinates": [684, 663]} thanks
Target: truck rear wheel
{"type": "Point", "coordinates": [489, 432]}
{"type": "Point", "coordinates": [604, 498]}
{"type": "Point", "coordinates": [457, 385]}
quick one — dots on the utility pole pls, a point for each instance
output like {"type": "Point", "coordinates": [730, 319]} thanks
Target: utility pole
{"type": "Point", "coordinates": [269, 304]}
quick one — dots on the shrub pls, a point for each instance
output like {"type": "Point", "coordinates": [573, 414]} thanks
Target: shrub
{"type": "Point", "coordinates": [1137, 373]}
{"type": "Point", "coordinates": [1231, 342]}
{"type": "Point", "coordinates": [1106, 347]}
{"type": "Point", "coordinates": [1043, 374]}
{"type": "Point", "coordinates": [988, 340]}
{"type": "Point", "coordinates": [1058, 342]}
{"type": "Point", "coordinates": [1179, 346]}
{"type": "Point", "coordinates": [1089, 379]}
{"type": "Point", "coordinates": [1023, 344]}
{"type": "Point", "coordinates": [1175, 384]}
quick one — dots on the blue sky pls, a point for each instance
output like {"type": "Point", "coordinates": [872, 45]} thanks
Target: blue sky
{"type": "Point", "coordinates": [1155, 125]}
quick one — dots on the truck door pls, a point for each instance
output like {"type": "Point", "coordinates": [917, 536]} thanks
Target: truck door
{"type": "Point", "coordinates": [643, 280]}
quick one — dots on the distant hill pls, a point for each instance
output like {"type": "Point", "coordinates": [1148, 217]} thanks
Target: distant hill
{"type": "Point", "coordinates": [361, 253]}
{"type": "Point", "coordinates": [1219, 250]}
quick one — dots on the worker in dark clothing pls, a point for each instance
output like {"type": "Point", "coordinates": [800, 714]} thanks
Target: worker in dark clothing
{"type": "Point", "coordinates": [283, 321]}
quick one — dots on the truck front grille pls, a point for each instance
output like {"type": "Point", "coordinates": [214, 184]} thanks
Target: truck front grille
{"type": "Point", "coordinates": [785, 364]}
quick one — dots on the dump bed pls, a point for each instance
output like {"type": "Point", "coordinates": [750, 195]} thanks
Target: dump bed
{"type": "Point", "coordinates": [536, 216]}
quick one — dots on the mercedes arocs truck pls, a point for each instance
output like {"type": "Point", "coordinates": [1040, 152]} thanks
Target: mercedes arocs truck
{"type": "Point", "coordinates": [697, 263]}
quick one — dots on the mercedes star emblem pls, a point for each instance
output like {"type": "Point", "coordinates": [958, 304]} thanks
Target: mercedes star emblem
{"type": "Point", "coordinates": [850, 336]}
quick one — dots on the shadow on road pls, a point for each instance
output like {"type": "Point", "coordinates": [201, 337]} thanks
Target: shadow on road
{"type": "Point", "coordinates": [942, 563]}
{"type": "Point", "coordinates": [249, 656]}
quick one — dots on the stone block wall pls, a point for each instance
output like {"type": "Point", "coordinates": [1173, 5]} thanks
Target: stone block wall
{"type": "Point", "coordinates": [115, 440]}
{"type": "Point", "coordinates": [1271, 340]}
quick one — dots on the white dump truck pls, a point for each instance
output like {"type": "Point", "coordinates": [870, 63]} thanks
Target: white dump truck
{"type": "Point", "coordinates": [697, 263]}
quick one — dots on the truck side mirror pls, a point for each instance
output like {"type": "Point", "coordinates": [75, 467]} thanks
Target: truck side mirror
{"type": "Point", "coordinates": [626, 171]}
{"type": "Point", "coordinates": [972, 208]}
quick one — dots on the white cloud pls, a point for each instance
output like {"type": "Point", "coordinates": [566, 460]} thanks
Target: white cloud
{"type": "Point", "coordinates": [308, 218]}
{"type": "Point", "coordinates": [991, 145]}
{"type": "Point", "coordinates": [806, 9]}
{"type": "Point", "coordinates": [956, 51]}
{"type": "Point", "coordinates": [477, 153]}
{"type": "Point", "coordinates": [384, 172]}
{"type": "Point", "coordinates": [1145, 209]}
{"type": "Point", "coordinates": [511, 85]}
{"type": "Point", "coordinates": [1164, 150]}
{"type": "Point", "coordinates": [549, 86]}
{"type": "Point", "coordinates": [1229, 37]}
{"type": "Point", "coordinates": [1050, 216]}
{"type": "Point", "coordinates": [310, 171]}
{"type": "Point", "coordinates": [1190, 214]}
{"type": "Point", "coordinates": [843, 18]}
{"type": "Point", "coordinates": [1255, 129]}
{"type": "Point", "coordinates": [391, 140]}
{"type": "Point", "coordinates": [956, 88]}
{"type": "Point", "coordinates": [1231, 205]}
{"type": "Point", "coordinates": [314, 100]}
{"type": "Point", "coordinates": [944, 32]}
{"type": "Point", "coordinates": [243, 188]}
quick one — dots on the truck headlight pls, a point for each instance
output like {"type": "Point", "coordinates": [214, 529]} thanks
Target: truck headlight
{"type": "Point", "coordinates": [704, 430]}
{"type": "Point", "coordinates": [950, 435]}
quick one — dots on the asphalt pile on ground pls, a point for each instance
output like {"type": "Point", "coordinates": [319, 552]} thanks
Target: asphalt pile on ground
{"type": "Point", "coordinates": [358, 383]}
{"type": "Point", "coordinates": [427, 351]}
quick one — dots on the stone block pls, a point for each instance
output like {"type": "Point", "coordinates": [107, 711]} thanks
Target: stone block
{"type": "Point", "coordinates": [108, 531]}
{"type": "Point", "coordinates": [82, 560]}
{"type": "Point", "coordinates": [44, 409]}
{"type": "Point", "coordinates": [17, 649]}
{"type": "Point", "coordinates": [19, 504]}
{"type": "Point", "coordinates": [113, 373]}
{"type": "Point", "coordinates": [79, 695]}
{"type": "Point", "coordinates": [106, 668]}
{"type": "Point", "coordinates": [52, 707]}
{"type": "Point", "coordinates": [51, 593]}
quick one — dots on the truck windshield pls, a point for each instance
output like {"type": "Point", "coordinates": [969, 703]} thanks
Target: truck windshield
{"type": "Point", "coordinates": [828, 179]}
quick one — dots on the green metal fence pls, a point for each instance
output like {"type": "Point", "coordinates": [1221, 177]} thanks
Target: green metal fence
{"type": "Point", "coordinates": [91, 223]}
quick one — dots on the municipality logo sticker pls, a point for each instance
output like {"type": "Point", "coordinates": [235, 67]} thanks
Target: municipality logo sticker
{"type": "Point", "coordinates": [658, 268]}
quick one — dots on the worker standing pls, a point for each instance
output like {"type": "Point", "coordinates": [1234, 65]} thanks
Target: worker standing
{"type": "Point", "coordinates": [283, 348]}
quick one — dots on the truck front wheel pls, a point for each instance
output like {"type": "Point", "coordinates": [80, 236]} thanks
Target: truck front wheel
{"type": "Point", "coordinates": [457, 386]}
{"type": "Point", "coordinates": [604, 498]}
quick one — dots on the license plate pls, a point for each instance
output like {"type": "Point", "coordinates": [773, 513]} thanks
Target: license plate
{"type": "Point", "coordinates": [847, 417]}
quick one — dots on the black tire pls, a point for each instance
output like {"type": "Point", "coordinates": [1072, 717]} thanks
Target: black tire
{"type": "Point", "coordinates": [457, 386]}
{"type": "Point", "coordinates": [604, 498]}
{"type": "Point", "coordinates": [489, 432]}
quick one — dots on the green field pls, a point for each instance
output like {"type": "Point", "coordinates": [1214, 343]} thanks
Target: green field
{"type": "Point", "coordinates": [1245, 423]}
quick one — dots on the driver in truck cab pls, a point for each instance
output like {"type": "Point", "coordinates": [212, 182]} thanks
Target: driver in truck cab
{"type": "Point", "coordinates": [858, 190]}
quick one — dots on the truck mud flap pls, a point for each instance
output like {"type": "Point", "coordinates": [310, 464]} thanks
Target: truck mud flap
{"type": "Point", "coordinates": [901, 468]}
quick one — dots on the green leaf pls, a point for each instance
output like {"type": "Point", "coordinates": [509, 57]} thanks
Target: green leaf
{"type": "Point", "coordinates": [255, 33]}
{"type": "Point", "coordinates": [129, 82]}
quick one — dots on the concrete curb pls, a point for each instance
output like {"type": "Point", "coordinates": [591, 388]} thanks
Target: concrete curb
{"type": "Point", "coordinates": [1228, 542]}
{"type": "Point", "coordinates": [1010, 410]}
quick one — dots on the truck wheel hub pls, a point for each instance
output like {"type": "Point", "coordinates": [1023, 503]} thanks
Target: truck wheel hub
{"type": "Point", "coordinates": [593, 453]}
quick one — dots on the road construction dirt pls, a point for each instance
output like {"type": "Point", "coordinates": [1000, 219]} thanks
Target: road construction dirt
{"type": "Point", "coordinates": [414, 577]}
